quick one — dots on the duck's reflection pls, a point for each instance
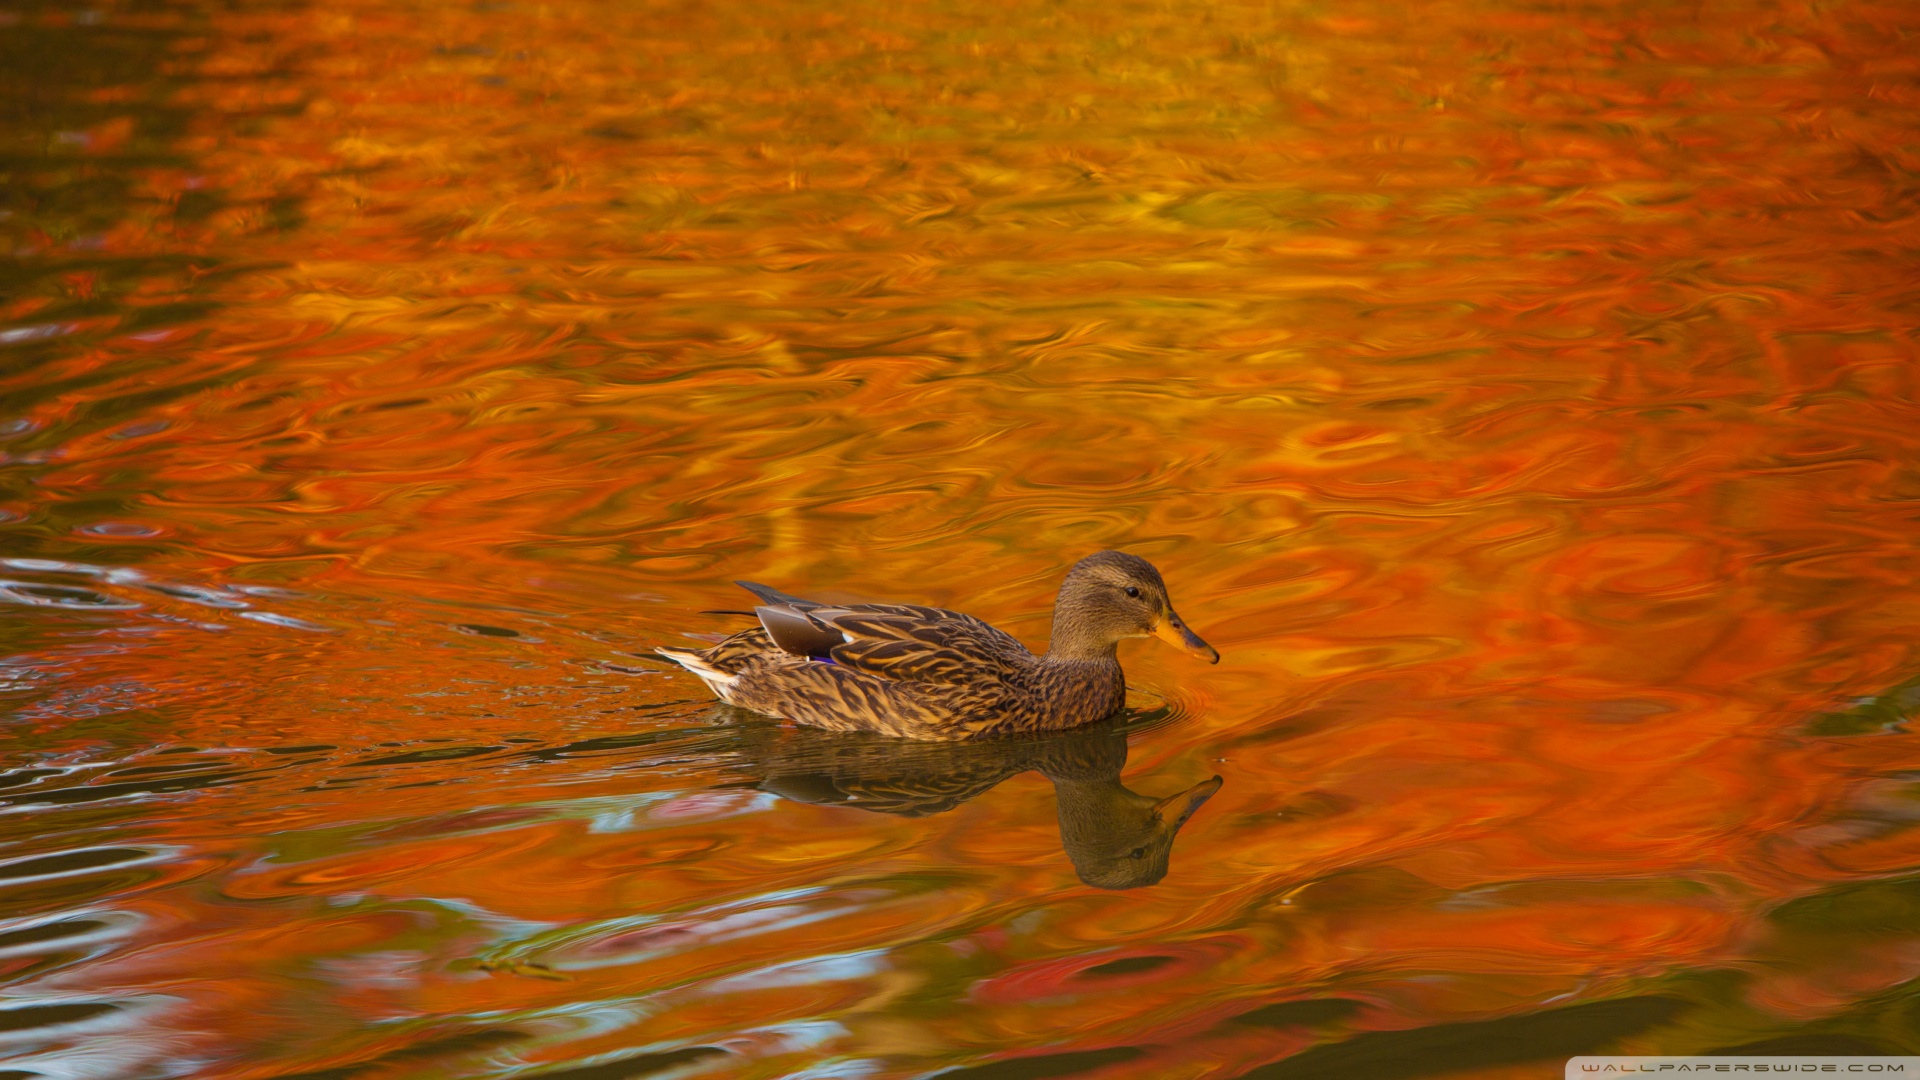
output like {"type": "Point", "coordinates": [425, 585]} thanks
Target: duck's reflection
{"type": "Point", "coordinates": [1117, 838]}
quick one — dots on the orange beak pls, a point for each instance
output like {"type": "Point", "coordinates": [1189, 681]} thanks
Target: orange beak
{"type": "Point", "coordinates": [1174, 632]}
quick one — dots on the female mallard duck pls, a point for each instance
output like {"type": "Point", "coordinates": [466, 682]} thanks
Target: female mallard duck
{"type": "Point", "coordinates": [926, 673]}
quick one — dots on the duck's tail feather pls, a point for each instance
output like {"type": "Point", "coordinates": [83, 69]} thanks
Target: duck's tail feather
{"type": "Point", "coordinates": [693, 660]}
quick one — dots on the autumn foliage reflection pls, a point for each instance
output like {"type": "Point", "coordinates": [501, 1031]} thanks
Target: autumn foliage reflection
{"type": "Point", "coordinates": [1524, 399]}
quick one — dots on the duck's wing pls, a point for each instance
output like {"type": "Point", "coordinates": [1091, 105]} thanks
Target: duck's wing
{"type": "Point", "coordinates": [910, 644]}
{"type": "Point", "coordinates": [799, 630]}
{"type": "Point", "coordinates": [897, 642]}
{"type": "Point", "coordinates": [797, 625]}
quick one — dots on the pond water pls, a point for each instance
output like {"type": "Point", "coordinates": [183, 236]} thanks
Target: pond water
{"type": "Point", "coordinates": [1524, 398]}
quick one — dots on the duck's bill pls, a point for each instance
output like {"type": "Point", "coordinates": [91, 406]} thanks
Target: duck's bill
{"type": "Point", "coordinates": [1174, 632]}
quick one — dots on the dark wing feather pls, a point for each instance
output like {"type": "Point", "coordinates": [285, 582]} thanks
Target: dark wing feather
{"type": "Point", "coordinates": [770, 595]}
{"type": "Point", "coordinates": [799, 632]}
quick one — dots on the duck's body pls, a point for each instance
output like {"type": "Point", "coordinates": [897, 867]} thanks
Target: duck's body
{"type": "Point", "coordinates": [905, 670]}
{"type": "Point", "coordinates": [928, 673]}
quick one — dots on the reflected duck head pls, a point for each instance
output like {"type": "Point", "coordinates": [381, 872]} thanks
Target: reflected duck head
{"type": "Point", "coordinates": [1111, 595]}
{"type": "Point", "coordinates": [1118, 839]}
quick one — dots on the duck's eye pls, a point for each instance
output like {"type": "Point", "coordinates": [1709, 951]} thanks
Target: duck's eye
{"type": "Point", "coordinates": [1133, 592]}
{"type": "Point", "coordinates": [1137, 853]}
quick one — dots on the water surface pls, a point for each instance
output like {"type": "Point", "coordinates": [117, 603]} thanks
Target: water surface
{"type": "Point", "coordinates": [1523, 398]}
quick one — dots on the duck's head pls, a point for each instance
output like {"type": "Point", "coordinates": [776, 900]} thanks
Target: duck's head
{"type": "Point", "coordinates": [1111, 595]}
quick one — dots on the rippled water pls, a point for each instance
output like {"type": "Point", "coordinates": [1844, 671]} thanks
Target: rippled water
{"type": "Point", "coordinates": [1522, 397]}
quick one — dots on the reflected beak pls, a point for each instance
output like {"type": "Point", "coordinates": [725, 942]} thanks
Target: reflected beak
{"type": "Point", "coordinates": [1174, 632]}
{"type": "Point", "coordinates": [1178, 808]}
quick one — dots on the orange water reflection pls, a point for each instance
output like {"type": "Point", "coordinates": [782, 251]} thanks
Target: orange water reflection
{"type": "Point", "coordinates": [1523, 400]}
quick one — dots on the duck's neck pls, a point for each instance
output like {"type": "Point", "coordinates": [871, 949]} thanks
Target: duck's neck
{"type": "Point", "coordinates": [1082, 690]}
{"type": "Point", "coordinates": [1074, 653]}
{"type": "Point", "coordinates": [1082, 664]}
{"type": "Point", "coordinates": [1076, 639]}
{"type": "Point", "coordinates": [1087, 681]}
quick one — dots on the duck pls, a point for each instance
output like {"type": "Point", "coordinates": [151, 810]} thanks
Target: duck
{"type": "Point", "coordinates": [928, 673]}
